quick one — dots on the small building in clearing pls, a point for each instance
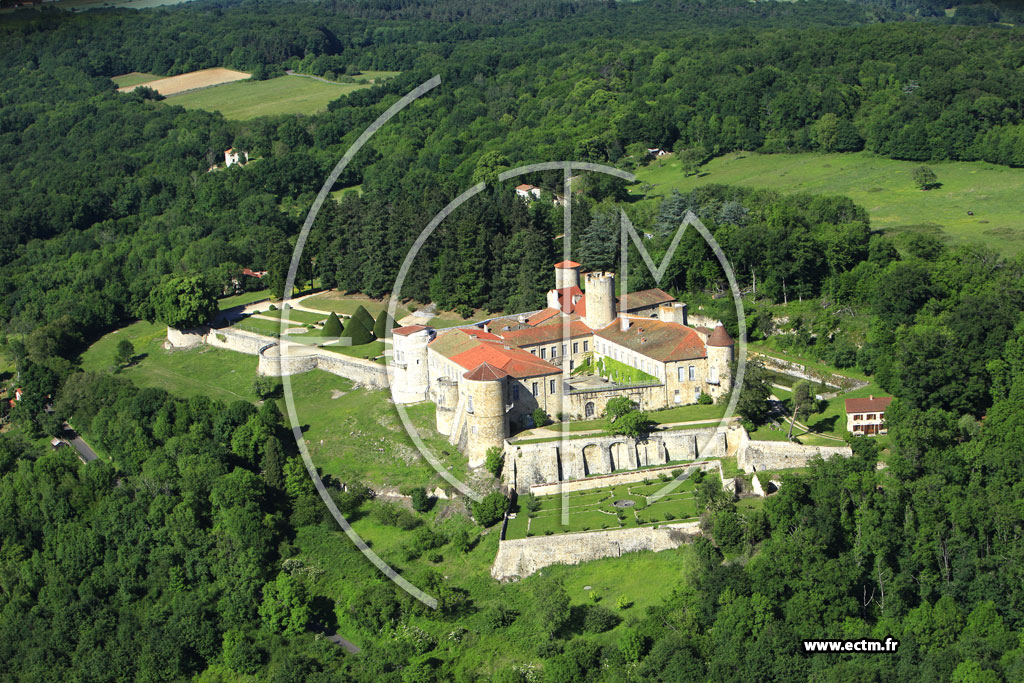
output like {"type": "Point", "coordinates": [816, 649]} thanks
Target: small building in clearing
{"type": "Point", "coordinates": [234, 156]}
{"type": "Point", "coordinates": [866, 416]}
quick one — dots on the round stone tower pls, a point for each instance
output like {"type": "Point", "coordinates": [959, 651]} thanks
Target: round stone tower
{"type": "Point", "coordinates": [720, 354]}
{"type": "Point", "coordinates": [446, 396]}
{"type": "Point", "coordinates": [483, 395]}
{"type": "Point", "coordinates": [407, 368]}
{"type": "Point", "coordinates": [567, 274]}
{"type": "Point", "coordinates": [600, 300]}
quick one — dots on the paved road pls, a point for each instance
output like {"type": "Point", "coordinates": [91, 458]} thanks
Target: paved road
{"type": "Point", "coordinates": [85, 453]}
{"type": "Point", "coordinates": [349, 646]}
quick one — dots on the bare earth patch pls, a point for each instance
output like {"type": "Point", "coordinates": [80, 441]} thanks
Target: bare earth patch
{"type": "Point", "coordinates": [194, 80]}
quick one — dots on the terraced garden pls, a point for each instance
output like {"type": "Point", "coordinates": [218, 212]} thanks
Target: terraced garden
{"type": "Point", "coordinates": [614, 507]}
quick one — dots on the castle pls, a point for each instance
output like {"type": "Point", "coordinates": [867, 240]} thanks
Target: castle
{"type": "Point", "coordinates": [488, 379]}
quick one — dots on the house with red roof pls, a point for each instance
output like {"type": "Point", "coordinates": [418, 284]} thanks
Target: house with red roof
{"type": "Point", "coordinates": [866, 416]}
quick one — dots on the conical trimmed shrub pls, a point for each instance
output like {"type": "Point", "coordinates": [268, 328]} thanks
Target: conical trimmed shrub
{"type": "Point", "coordinates": [380, 325]}
{"type": "Point", "coordinates": [357, 332]}
{"type": "Point", "coordinates": [331, 328]}
{"type": "Point", "coordinates": [364, 318]}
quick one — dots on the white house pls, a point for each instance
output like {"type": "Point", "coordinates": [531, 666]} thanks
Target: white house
{"type": "Point", "coordinates": [231, 156]}
{"type": "Point", "coordinates": [866, 416]}
{"type": "Point", "coordinates": [528, 192]}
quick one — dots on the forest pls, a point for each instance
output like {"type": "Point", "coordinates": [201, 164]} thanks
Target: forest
{"type": "Point", "coordinates": [171, 559]}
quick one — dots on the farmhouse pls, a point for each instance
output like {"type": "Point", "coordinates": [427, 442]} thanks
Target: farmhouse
{"type": "Point", "coordinates": [528, 192]}
{"type": "Point", "coordinates": [233, 156]}
{"type": "Point", "coordinates": [866, 416]}
{"type": "Point", "coordinates": [587, 347]}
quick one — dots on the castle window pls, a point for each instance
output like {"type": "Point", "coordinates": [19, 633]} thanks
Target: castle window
{"type": "Point", "coordinates": [713, 374]}
{"type": "Point", "coordinates": [515, 392]}
{"type": "Point", "coordinates": [536, 389]}
{"type": "Point", "coordinates": [680, 373]}
{"type": "Point", "coordinates": [679, 399]}
{"type": "Point", "coordinates": [554, 351]}
{"type": "Point", "coordinates": [575, 347]}
{"type": "Point", "coordinates": [696, 394]}
{"type": "Point", "coordinates": [469, 408]}
{"type": "Point", "coordinates": [693, 372]}
{"type": "Point", "coordinates": [563, 349]}
{"type": "Point", "coordinates": [543, 353]}
{"type": "Point", "coordinates": [585, 345]}
{"type": "Point", "coordinates": [552, 389]}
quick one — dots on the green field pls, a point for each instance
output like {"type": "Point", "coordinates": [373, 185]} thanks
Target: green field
{"type": "Point", "coordinates": [217, 373]}
{"type": "Point", "coordinates": [882, 186]}
{"type": "Point", "coordinates": [273, 97]}
{"type": "Point", "coordinates": [134, 78]}
{"type": "Point", "coordinates": [295, 317]}
{"type": "Point", "coordinates": [356, 434]}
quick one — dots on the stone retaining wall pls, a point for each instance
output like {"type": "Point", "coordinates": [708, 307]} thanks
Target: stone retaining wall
{"type": "Point", "coordinates": [524, 556]}
{"type": "Point", "coordinates": [616, 479]}
{"type": "Point", "coordinates": [757, 456]}
{"type": "Point", "coordinates": [528, 465]}
{"type": "Point", "coordinates": [359, 370]}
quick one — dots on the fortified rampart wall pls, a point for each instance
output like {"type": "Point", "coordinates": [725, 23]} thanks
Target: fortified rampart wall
{"type": "Point", "coordinates": [524, 556]}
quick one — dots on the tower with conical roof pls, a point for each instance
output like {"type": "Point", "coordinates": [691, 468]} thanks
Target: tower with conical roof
{"type": "Point", "coordinates": [483, 392]}
{"type": "Point", "coordinates": [720, 354]}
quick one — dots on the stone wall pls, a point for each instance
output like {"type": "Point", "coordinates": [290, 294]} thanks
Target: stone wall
{"type": "Point", "coordinates": [616, 479]}
{"type": "Point", "coordinates": [238, 340]}
{"type": "Point", "coordinates": [757, 456]}
{"type": "Point", "coordinates": [184, 339]}
{"type": "Point", "coordinates": [528, 465]}
{"type": "Point", "coordinates": [364, 372]}
{"type": "Point", "coordinates": [803, 372]}
{"type": "Point", "coordinates": [524, 556]}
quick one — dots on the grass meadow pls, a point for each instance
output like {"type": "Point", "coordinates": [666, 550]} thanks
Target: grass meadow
{"type": "Point", "coordinates": [884, 187]}
{"type": "Point", "coordinates": [274, 97]}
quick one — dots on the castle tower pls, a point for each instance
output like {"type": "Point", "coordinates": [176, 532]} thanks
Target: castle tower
{"type": "Point", "coordinates": [567, 274]}
{"type": "Point", "coordinates": [674, 312]}
{"type": "Point", "coordinates": [407, 368]}
{"type": "Point", "coordinates": [720, 354]}
{"type": "Point", "coordinates": [600, 300]}
{"type": "Point", "coordinates": [483, 390]}
{"type": "Point", "coordinates": [446, 396]}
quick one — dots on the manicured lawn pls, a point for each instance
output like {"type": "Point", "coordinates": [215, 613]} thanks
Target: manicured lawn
{"type": "Point", "coordinates": [691, 413]}
{"type": "Point", "coordinates": [297, 317]}
{"type": "Point", "coordinates": [273, 97]}
{"type": "Point", "coordinates": [346, 305]}
{"type": "Point", "coordinates": [593, 510]}
{"type": "Point", "coordinates": [272, 328]}
{"type": "Point", "coordinates": [882, 186]}
{"type": "Point", "coordinates": [243, 299]}
{"type": "Point", "coordinates": [372, 351]}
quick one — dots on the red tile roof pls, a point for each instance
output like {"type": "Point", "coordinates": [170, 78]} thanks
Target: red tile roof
{"type": "Point", "coordinates": [656, 339]}
{"type": "Point", "coordinates": [538, 318]}
{"type": "Point", "coordinates": [408, 329]}
{"type": "Point", "coordinates": [719, 337]}
{"type": "Point", "coordinates": [870, 404]}
{"type": "Point", "coordinates": [645, 298]}
{"type": "Point", "coordinates": [515, 362]}
{"type": "Point", "coordinates": [485, 372]}
{"type": "Point", "coordinates": [569, 298]}
{"type": "Point", "coordinates": [567, 264]}
{"type": "Point", "coordinates": [551, 331]}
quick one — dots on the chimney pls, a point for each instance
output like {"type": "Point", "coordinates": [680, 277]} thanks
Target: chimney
{"type": "Point", "coordinates": [522, 319]}
{"type": "Point", "coordinates": [623, 323]}
{"type": "Point", "coordinates": [871, 397]}
{"type": "Point", "coordinates": [683, 314]}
